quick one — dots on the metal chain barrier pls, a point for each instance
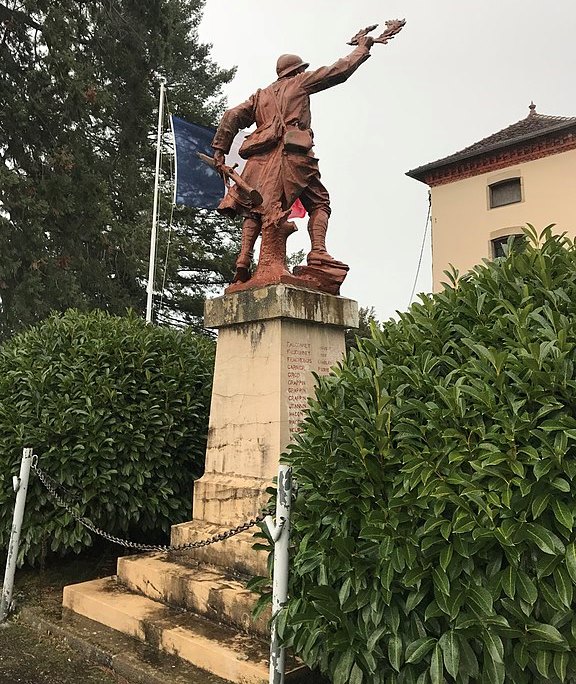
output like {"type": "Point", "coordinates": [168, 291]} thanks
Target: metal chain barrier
{"type": "Point", "coordinates": [51, 485]}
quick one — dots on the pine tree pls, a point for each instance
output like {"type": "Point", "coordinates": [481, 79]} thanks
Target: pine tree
{"type": "Point", "coordinates": [366, 319]}
{"type": "Point", "coordinates": [78, 108]}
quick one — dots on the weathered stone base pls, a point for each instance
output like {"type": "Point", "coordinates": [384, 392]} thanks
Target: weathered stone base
{"type": "Point", "coordinates": [229, 499]}
{"type": "Point", "coordinates": [198, 612]}
{"type": "Point", "coordinates": [236, 554]}
{"type": "Point", "coordinates": [271, 341]}
{"type": "Point", "coordinates": [226, 652]}
{"type": "Point", "coordinates": [181, 582]}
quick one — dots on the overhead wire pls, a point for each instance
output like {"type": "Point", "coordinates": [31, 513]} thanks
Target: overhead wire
{"type": "Point", "coordinates": [421, 248]}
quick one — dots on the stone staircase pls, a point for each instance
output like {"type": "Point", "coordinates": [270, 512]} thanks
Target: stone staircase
{"type": "Point", "coordinates": [189, 604]}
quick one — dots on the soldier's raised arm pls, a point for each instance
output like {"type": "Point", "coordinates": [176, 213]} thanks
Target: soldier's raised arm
{"type": "Point", "coordinates": [328, 76]}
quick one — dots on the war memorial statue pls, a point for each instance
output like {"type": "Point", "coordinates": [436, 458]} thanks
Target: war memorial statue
{"type": "Point", "coordinates": [281, 167]}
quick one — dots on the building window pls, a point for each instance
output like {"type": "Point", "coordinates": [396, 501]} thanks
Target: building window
{"type": "Point", "coordinates": [505, 192]}
{"type": "Point", "coordinates": [500, 246]}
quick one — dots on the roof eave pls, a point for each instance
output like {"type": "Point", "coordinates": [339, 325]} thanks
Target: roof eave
{"type": "Point", "coordinates": [420, 172]}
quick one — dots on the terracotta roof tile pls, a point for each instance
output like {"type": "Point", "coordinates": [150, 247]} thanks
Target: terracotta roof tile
{"type": "Point", "coordinates": [530, 127]}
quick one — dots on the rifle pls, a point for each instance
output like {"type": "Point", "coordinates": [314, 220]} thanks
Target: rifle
{"type": "Point", "coordinates": [230, 174]}
{"type": "Point", "coordinates": [393, 27]}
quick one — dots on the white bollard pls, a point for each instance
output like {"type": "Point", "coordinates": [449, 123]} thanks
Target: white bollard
{"type": "Point", "coordinates": [20, 487]}
{"type": "Point", "coordinates": [280, 533]}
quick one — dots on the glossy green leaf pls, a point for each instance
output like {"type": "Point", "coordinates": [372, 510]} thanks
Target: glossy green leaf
{"type": "Point", "coordinates": [546, 565]}
{"type": "Point", "coordinates": [571, 561]}
{"type": "Point", "coordinates": [563, 513]}
{"type": "Point", "coordinates": [395, 652]}
{"type": "Point", "coordinates": [450, 645]}
{"type": "Point", "coordinates": [446, 557]}
{"type": "Point", "coordinates": [441, 581]}
{"type": "Point", "coordinates": [436, 667]}
{"type": "Point", "coordinates": [341, 674]}
{"type": "Point", "coordinates": [509, 581]}
{"type": "Point", "coordinates": [493, 672]}
{"type": "Point", "coordinates": [375, 637]}
{"type": "Point", "coordinates": [561, 484]}
{"type": "Point", "coordinates": [419, 649]}
{"type": "Point", "coordinates": [564, 587]}
{"type": "Point", "coordinates": [546, 633]}
{"type": "Point", "coordinates": [561, 665]}
{"type": "Point", "coordinates": [542, 468]}
{"type": "Point", "coordinates": [521, 655]}
{"type": "Point", "coordinates": [415, 598]}
{"type": "Point", "coordinates": [344, 592]}
{"type": "Point", "coordinates": [480, 601]}
{"type": "Point", "coordinates": [543, 659]}
{"type": "Point", "coordinates": [550, 595]}
{"type": "Point", "coordinates": [494, 646]}
{"type": "Point", "coordinates": [356, 675]}
{"type": "Point", "coordinates": [545, 540]}
{"type": "Point", "coordinates": [468, 660]}
{"type": "Point", "coordinates": [539, 505]}
{"type": "Point", "coordinates": [526, 587]}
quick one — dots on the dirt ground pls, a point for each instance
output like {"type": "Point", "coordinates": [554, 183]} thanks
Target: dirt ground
{"type": "Point", "coordinates": [29, 657]}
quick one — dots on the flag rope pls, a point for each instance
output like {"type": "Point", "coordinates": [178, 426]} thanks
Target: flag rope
{"type": "Point", "coordinates": [173, 204]}
{"type": "Point", "coordinates": [155, 205]}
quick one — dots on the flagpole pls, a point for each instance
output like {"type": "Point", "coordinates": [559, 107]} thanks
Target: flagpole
{"type": "Point", "coordinates": [152, 264]}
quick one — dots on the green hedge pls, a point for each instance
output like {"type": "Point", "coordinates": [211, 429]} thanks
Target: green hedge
{"type": "Point", "coordinates": [117, 411]}
{"type": "Point", "coordinates": [434, 536]}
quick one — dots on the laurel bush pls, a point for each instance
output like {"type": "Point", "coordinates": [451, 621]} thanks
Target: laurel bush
{"type": "Point", "coordinates": [434, 533]}
{"type": "Point", "coordinates": [117, 412]}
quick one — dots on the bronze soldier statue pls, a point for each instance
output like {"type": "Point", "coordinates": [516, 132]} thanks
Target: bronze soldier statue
{"type": "Point", "coordinates": [281, 165]}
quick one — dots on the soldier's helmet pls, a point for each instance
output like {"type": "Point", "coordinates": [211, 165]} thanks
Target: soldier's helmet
{"type": "Point", "coordinates": [286, 64]}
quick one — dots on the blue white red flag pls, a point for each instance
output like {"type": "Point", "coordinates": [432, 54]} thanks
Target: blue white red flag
{"type": "Point", "coordinates": [197, 184]}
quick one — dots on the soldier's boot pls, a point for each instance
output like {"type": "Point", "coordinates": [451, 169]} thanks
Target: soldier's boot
{"type": "Point", "coordinates": [317, 228]}
{"type": "Point", "coordinates": [250, 232]}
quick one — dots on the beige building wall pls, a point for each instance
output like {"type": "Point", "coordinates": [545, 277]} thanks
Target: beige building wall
{"type": "Point", "coordinates": [463, 224]}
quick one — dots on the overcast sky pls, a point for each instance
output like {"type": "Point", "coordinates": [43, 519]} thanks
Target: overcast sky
{"type": "Point", "coordinates": [459, 71]}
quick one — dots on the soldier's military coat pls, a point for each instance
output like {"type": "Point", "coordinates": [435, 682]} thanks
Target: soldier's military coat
{"type": "Point", "coordinates": [281, 176]}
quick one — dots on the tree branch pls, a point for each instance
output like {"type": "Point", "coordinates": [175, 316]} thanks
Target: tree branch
{"type": "Point", "coordinates": [13, 15]}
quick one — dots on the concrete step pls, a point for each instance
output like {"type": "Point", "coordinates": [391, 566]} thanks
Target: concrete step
{"type": "Point", "coordinates": [218, 649]}
{"type": "Point", "coordinates": [132, 660]}
{"type": "Point", "coordinates": [184, 583]}
{"type": "Point", "coordinates": [235, 553]}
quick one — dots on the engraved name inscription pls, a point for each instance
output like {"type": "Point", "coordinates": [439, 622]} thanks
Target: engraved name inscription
{"type": "Point", "coordinates": [300, 362]}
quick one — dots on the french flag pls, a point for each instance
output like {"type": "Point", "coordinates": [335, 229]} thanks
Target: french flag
{"type": "Point", "coordinates": [197, 184]}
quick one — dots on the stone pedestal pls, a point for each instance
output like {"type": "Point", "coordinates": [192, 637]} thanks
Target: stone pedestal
{"type": "Point", "coordinates": [270, 342]}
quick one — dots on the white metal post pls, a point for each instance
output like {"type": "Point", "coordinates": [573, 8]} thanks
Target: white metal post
{"type": "Point", "coordinates": [20, 487]}
{"type": "Point", "coordinates": [280, 533]}
{"type": "Point", "coordinates": [152, 264]}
